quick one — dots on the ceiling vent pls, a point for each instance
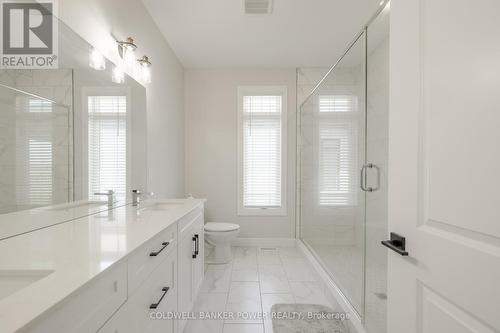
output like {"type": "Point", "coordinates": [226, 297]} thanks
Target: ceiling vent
{"type": "Point", "coordinates": [258, 6]}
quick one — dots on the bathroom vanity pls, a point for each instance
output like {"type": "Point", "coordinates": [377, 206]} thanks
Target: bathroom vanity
{"type": "Point", "coordinates": [126, 269]}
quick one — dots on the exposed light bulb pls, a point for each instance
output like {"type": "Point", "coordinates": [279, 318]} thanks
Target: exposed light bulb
{"type": "Point", "coordinates": [145, 69]}
{"type": "Point", "coordinates": [97, 60]}
{"type": "Point", "coordinates": [146, 75]}
{"type": "Point", "coordinates": [118, 75]}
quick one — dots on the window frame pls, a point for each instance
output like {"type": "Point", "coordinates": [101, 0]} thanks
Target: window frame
{"type": "Point", "coordinates": [263, 91]}
{"type": "Point", "coordinates": [105, 91]}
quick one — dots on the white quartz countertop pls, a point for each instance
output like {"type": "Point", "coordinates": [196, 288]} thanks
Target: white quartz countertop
{"type": "Point", "coordinates": [69, 255]}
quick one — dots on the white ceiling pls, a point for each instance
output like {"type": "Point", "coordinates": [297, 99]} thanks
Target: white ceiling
{"type": "Point", "coordinates": [298, 33]}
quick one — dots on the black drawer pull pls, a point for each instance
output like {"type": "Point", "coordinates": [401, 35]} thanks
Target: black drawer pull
{"type": "Point", "coordinates": [397, 243]}
{"type": "Point", "coordinates": [197, 245]}
{"type": "Point", "coordinates": [164, 245]}
{"type": "Point", "coordinates": [195, 252]}
{"type": "Point", "coordinates": [155, 305]}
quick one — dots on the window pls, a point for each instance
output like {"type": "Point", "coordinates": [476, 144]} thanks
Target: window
{"type": "Point", "coordinates": [262, 150]}
{"type": "Point", "coordinates": [34, 152]}
{"type": "Point", "coordinates": [40, 171]}
{"type": "Point", "coordinates": [337, 150]}
{"type": "Point", "coordinates": [107, 145]}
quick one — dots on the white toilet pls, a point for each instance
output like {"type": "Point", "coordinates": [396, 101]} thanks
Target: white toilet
{"type": "Point", "coordinates": [220, 236]}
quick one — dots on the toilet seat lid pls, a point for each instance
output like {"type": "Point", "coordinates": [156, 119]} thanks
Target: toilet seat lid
{"type": "Point", "coordinates": [221, 227]}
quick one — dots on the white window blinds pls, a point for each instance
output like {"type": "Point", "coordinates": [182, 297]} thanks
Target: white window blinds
{"type": "Point", "coordinates": [337, 131]}
{"type": "Point", "coordinates": [34, 152]}
{"type": "Point", "coordinates": [40, 170]}
{"type": "Point", "coordinates": [262, 151]}
{"type": "Point", "coordinates": [107, 159]}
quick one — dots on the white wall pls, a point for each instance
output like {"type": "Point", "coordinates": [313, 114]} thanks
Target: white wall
{"type": "Point", "coordinates": [99, 22]}
{"type": "Point", "coordinates": [211, 145]}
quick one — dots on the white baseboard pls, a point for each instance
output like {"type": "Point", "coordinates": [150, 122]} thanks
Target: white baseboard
{"type": "Point", "coordinates": [265, 242]}
{"type": "Point", "coordinates": [331, 288]}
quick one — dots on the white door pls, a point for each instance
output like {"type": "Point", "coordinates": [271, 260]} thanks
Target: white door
{"type": "Point", "coordinates": [444, 166]}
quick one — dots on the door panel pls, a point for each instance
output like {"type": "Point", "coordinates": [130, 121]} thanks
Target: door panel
{"type": "Point", "coordinates": [185, 271]}
{"type": "Point", "coordinates": [438, 315]}
{"type": "Point", "coordinates": [198, 262]}
{"type": "Point", "coordinates": [443, 165]}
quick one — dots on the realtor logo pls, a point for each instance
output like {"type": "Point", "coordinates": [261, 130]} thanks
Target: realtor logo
{"type": "Point", "coordinates": [29, 39]}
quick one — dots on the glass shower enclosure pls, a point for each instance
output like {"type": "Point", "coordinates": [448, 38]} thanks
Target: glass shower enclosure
{"type": "Point", "coordinates": [342, 146]}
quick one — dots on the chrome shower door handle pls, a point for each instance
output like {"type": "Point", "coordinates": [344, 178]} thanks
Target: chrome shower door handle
{"type": "Point", "coordinates": [377, 187]}
{"type": "Point", "coordinates": [362, 180]}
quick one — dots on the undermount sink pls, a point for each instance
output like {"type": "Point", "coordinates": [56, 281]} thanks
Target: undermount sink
{"type": "Point", "coordinates": [12, 281]}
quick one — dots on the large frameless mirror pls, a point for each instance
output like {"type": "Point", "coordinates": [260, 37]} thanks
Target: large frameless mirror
{"type": "Point", "coordinates": [67, 134]}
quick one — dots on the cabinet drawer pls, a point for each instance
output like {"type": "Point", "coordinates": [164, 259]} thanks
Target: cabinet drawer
{"type": "Point", "coordinates": [89, 308]}
{"type": "Point", "coordinates": [145, 259]}
{"type": "Point", "coordinates": [135, 315]}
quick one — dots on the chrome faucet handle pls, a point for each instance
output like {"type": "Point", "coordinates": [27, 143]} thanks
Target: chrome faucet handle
{"type": "Point", "coordinates": [111, 196]}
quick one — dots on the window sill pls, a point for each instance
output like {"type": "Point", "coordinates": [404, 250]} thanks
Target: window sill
{"type": "Point", "coordinates": [262, 211]}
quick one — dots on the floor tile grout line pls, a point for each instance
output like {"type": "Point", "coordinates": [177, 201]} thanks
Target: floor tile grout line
{"type": "Point", "coordinates": [260, 291]}
{"type": "Point", "coordinates": [228, 291]}
{"type": "Point", "coordinates": [227, 298]}
{"type": "Point", "coordinates": [287, 279]}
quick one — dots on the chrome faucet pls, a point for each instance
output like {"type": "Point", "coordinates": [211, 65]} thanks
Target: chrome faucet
{"type": "Point", "coordinates": [136, 196]}
{"type": "Point", "coordinates": [111, 197]}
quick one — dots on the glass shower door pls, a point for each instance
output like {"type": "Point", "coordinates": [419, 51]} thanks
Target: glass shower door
{"type": "Point", "coordinates": [332, 205]}
{"type": "Point", "coordinates": [377, 137]}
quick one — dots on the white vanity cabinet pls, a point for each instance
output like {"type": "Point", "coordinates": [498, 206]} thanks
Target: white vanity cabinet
{"type": "Point", "coordinates": [143, 290]}
{"type": "Point", "coordinates": [191, 261]}
{"type": "Point", "coordinates": [181, 272]}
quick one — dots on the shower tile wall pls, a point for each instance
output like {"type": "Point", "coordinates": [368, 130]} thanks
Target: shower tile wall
{"type": "Point", "coordinates": [16, 123]}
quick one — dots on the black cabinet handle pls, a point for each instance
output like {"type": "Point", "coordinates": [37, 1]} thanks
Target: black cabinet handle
{"type": "Point", "coordinates": [197, 245]}
{"type": "Point", "coordinates": [155, 305]}
{"type": "Point", "coordinates": [195, 254]}
{"type": "Point", "coordinates": [155, 253]}
{"type": "Point", "coordinates": [397, 243]}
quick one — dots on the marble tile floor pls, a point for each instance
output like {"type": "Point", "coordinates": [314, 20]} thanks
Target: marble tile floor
{"type": "Point", "coordinates": [256, 279]}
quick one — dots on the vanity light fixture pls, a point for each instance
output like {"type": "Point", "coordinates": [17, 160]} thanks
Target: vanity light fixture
{"type": "Point", "coordinates": [97, 60]}
{"type": "Point", "coordinates": [145, 69]}
{"type": "Point", "coordinates": [118, 74]}
{"type": "Point", "coordinates": [126, 48]}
